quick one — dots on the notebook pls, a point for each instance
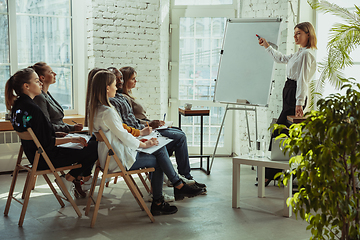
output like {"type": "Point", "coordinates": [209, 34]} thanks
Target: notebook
{"type": "Point", "coordinates": [277, 153]}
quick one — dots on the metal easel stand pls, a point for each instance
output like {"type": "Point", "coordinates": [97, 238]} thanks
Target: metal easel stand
{"type": "Point", "coordinates": [247, 125]}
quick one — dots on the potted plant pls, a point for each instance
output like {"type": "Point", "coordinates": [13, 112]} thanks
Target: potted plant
{"type": "Point", "coordinates": [327, 145]}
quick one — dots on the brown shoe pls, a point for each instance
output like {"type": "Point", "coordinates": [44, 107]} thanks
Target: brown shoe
{"type": "Point", "coordinates": [78, 189]}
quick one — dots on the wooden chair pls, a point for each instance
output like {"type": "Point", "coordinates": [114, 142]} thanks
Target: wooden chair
{"type": "Point", "coordinates": [100, 136]}
{"type": "Point", "coordinates": [33, 173]}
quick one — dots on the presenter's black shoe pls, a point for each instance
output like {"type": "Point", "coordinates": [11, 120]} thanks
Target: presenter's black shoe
{"type": "Point", "coordinates": [187, 191]}
{"type": "Point", "coordinates": [160, 207]}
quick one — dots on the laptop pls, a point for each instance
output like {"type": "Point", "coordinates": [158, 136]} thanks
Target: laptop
{"type": "Point", "coordinates": [277, 153]}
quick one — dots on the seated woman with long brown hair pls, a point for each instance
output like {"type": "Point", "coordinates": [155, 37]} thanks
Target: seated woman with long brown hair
{"type": "Point", "coordinates": [103, 116]}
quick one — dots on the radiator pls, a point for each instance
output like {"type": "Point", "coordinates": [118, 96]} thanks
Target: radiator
{"type": "Point", "coordinates": [9, 150]}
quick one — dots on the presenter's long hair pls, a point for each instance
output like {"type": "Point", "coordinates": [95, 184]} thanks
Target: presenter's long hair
{"type": "Point", "coordinates": [98, 94]}
{"type": "Point", "coordinates": [308, 28]}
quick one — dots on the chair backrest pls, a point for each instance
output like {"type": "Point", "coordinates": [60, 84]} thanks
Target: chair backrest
{"type": "Point", "coordinates": [30, 135]}
{"type": "Point", "coordinates": [100, 136]}
{"type": "Point", "coordinates": [24, 135]}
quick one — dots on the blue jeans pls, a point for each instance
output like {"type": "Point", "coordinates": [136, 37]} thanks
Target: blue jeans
{"type": "Point", "coordinates": [161, 162]}
{"type": "Point", "coordinates": [179, 145]}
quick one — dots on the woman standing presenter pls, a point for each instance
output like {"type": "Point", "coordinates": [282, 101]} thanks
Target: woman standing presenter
{"type": "Point", "coordinates": [300, 69]}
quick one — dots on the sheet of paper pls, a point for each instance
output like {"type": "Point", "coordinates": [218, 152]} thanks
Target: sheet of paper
{"type": "Point", "coordinates": [167, 125]}
{"type": "Point", "coordinates": [84, 130]}
{"type": "Point", "coordinates": [163, 141]}
{"type": "Point", "coordinates": [75, 145]}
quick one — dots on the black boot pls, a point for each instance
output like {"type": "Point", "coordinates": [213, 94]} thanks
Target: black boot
{"type": "Point", "coordinates": [159, 207]}
{"type": "Point", "coordinates": [186, 191]}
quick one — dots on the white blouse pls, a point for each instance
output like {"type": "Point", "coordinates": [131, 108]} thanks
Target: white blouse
{"type": "Point", "coordinates": [301, 68]}
{"type": "Point", "coordinates": [124, 144]}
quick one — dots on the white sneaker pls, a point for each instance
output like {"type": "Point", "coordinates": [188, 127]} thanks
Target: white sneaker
{"type": "Point", "coordinates": [167, 198]}
{"type": "Point", "coordinates": [69, 186]}
{"type": "Point", "coordinates": [187, 181]}
{"type": "Point", "coordinates": [87, 185]}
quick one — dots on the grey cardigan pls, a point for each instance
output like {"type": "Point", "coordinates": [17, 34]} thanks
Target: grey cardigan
{"type": "Point", "coordinates": [53, 111]}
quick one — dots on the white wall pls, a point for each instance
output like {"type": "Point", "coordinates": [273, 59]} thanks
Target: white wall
{"type": "Point", "coordinates": [133, 33]}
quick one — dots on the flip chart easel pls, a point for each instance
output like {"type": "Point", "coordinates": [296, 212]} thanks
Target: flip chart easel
{"type": "Point", "coordinates": [245, 69]}
{"type": "Point", "coordinates": [243, 108]}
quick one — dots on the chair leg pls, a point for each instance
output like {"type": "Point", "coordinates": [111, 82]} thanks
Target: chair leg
{"type": "Point", "coordinates": [133, 190]}
{"type": "Point", "coordinates": [137, 187]}
{"type": "Point", "coordinates": [27, 198]}
{"type": "Point", "coordinates": [62, 204]}
{"type": "Point", "coordinates": [92, 189]}
{"type": "Point", "coordinates": [98, 200]}
{"type": "Point", "coordinates": [26, 185]}
{"type": "Point", "coordinates": [34, 183]}
{"type": "Point", "coordinates": [67, 194]}
{"type": "Point", "coordinates": [144, 183]}
{"type": "Point", "coordinates": [11, 191]}
{"type": "Point", "coordinates": [139, 198]}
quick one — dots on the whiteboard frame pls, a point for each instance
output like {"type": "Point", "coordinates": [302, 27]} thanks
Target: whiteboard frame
{"type": "Point", "coordinates": [246, 20]}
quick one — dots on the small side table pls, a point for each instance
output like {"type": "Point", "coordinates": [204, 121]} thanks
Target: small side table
{"type": "Point", "coordinates": [201, 113]}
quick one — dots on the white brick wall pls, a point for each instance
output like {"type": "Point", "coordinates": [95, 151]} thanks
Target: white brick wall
{"type": "Point", "coordinates": [133, 33]}
{"type": "Point", "coordinates": [285, 9]}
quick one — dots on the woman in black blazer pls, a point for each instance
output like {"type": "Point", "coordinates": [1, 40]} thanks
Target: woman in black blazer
{"type": "Point", "coordinates": [25, 113]}
{"type": "Point", "coordinates": [50, 107]}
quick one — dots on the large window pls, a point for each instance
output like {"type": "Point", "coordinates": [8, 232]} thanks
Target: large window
{"type": "Point", "coordinates": [200, 45]}
{"type": "Point", "coordinates": [4, 51]}
{"type": "Point", "coordinates": [43, 33]}
{"type": "Point", "coordinates": [196, 41]}
{"type": "Point", "coordinates": [324, 24]}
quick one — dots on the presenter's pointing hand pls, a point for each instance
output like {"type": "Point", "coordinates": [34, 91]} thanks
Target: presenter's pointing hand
{"type": "Point", "coordinates": [263, 42]}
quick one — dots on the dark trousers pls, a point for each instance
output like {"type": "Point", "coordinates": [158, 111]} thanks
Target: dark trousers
{"type": "Point", "coordinates": [289, 104]}
{"type": "Point", "coordinates": [67, 156]}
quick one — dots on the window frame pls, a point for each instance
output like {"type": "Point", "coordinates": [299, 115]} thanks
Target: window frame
{"type": "Point", "coordinates": [199, 11]}
{"type": "Point", "coordinates": [329, 89]}
{"type": "Point", "coordinates": [78, 51]}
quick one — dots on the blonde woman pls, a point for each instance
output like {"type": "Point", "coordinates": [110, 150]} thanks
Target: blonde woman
{"type": "Point", "coordinates": [300, 69]}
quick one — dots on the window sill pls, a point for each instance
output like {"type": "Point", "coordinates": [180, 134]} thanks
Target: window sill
{"type": "Point", "coordinates": [5, 125]}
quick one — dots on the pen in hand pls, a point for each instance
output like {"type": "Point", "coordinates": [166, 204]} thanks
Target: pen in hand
{"type": "Point", "coordinates": [74, 122]}
{"type": "Point", "coordinates": [164, 116]}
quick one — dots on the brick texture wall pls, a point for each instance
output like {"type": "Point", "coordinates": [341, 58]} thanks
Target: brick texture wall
{"type": "Point", "coordinates": [132, 33]}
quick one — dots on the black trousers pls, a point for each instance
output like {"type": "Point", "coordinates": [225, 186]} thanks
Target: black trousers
{"type": "Point", "coordinates": [288, 108]}
{"type": "Point", "coordinates": [67, 156]}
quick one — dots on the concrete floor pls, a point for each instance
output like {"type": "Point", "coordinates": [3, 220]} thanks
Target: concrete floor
{"type": "Point", "coordinates": [203, 217]}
